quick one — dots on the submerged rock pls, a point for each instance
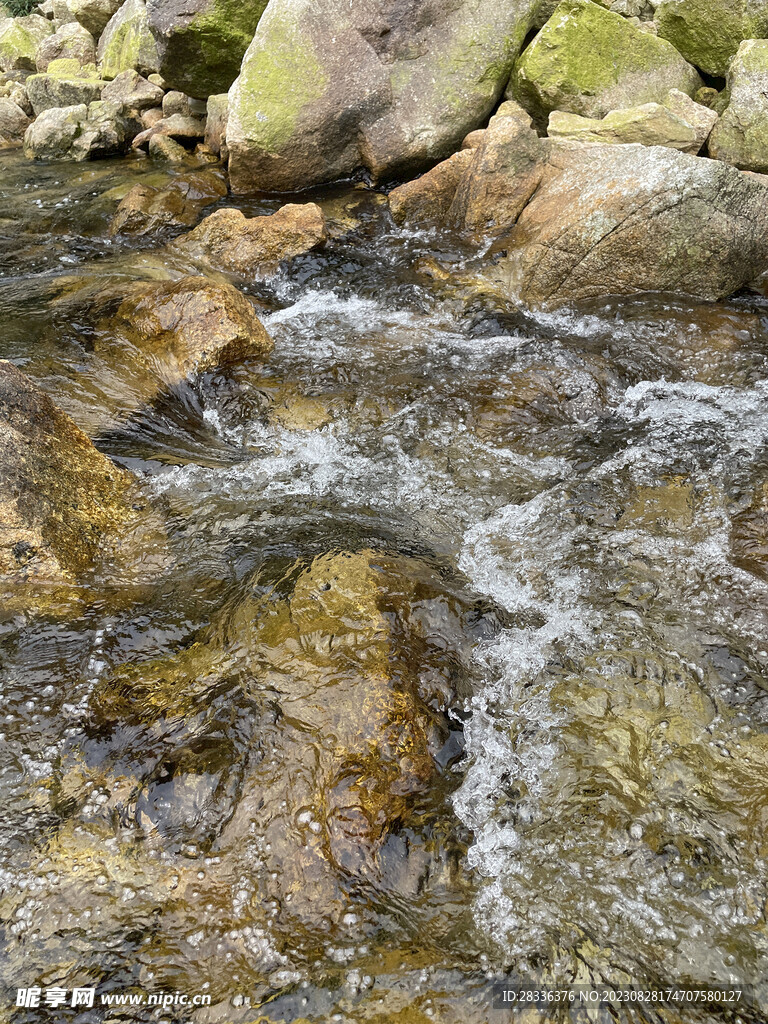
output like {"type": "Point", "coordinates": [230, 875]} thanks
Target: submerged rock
{"type": "Point", "coordinates": [144, 341]}
{"type": "Point", "coordinates": [650, 124]}
{"type": "Point", "coordinates": [741, 135]}
{"type": "Point", "coordinates": [578, 220]}
{"type": "Point", "coordinates": [254, 246]}
{"type": "Point", "coordinates": [64, 505]}
{"type": "Point", "coordinates": [708, 32]}
{"type": "Point", "coordinates": [127, 44]}
{"type": "Point", "coordinates": [358, 656]}
{"type": "Point", "coordinates": [175, 327]}
{"type": "Point", "coordinates": [19, 40]}
{"type": "Point", "coordinates": [146, 209]}
{"type": "Point", "coordinates": [749, 537]}
{"type": "Point", "coordinates": [587, 60]}
{"type": "Point", "coordinates": [71, 41]}
{"type": "Point", "coordinates": [201, 43]}
{"type": "Point", "coordinates": [326, 89]}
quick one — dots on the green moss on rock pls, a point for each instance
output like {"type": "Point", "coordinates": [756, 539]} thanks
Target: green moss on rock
{"type": "Point", "coordinates": [588, 60]}
{"type": "Point", "coordinates": [201, 55]}
{"type": "Point", "coordinates": [740, 137]}
{"type": "Point", "coordinates": [708, 32]}
{"type": "Point", "coordinates": [127, 42]}
{"type": "Point", "coordinates": [327, 88]}
{"type": "Point", "coordinates": [19, 40]}
{"type": "Point", "coordinates": [277, 83]}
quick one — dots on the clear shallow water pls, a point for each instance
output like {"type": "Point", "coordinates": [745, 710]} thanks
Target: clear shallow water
{"type": "Point", "coordinates": [585, 489]}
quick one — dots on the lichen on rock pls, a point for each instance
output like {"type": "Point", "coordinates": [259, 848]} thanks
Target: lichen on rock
{"type": "Point", "coordinates": [326, 89]}
{"type": "Point", "coordinates": [201, 44]}
{"type": "Point", "coordinates": [19, 41]}
{"type": "Point", "coordinates": [587, 60]}
{"type": "Point", "coordinates": [708, 32]}
{"type": "Point", "coordinates": [127, 44]}
{"type": "Point", "coordinates": [740, 137]}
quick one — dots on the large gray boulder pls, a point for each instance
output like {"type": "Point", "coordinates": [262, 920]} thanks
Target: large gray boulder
{"type": "Point", "coordinates": [708, 32]}
{"type": "Point", "coordinates": [70, 41]}
{"type": "Point", "coordinates": [52, 135]}
{"type": "Point", "coordinates": [19, 40]}
{"type": "Point", "coordinates": [13, 123]}
{"type": "Point", "coordinates": [107, 131]}
{"type": "Point", "coordinates": [127, 44]}
{"type": "Point", "coordinates": [740, 137]}
{"type": "Point", "coordinates": [54, 90]}
{"type": "Point", "coordinates": [328, 87]}
{"type": "Point", "coordinates": [589, 61]}
{"type": "Point", "coordinates": [580, 220]}
{"type": "Point", "coordinates": [93, 14]}
{"type": "Point", "coordinates": [132, 92]}
{"type": "Point", "coordinates": [201, 43]}
{"type": "Point", "coordinates": [80, 132]}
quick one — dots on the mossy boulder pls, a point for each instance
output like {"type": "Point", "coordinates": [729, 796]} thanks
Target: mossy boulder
{"type": "Point", "coordinates": [77, 132]}
{"type": "Point", "coordinates": [589, 61]}
{"type": "Point", "coordinates": [201, 43]}
{"type": "Point", "coordinates": [709, 32]}
{"type": "Point", "coordinates": [64, 505]}
{"type": "Point", "coordinates": [127, 42]}
{"type": "Point", "coordinates": [19, 40]}
{"type": "Point", "coordinates": [326, 89]}
{"type": "Point", "coordinates": [52, 135]}
{"type": "Point", "coordinates": [650, 124]}
{"type": "Point", "coordinates": [740, 137]}
{"type": "Point", "coordinates": [50, 90]}
{"type": "Point", "coordinates": [69, 41]}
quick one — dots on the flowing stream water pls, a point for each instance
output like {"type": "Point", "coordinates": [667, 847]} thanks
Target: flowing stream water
{"type": "Point", "coordinates": [589, 489]}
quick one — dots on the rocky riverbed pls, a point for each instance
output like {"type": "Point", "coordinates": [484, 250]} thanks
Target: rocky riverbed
{"type": "Point", "coordinates": [384, 516]}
